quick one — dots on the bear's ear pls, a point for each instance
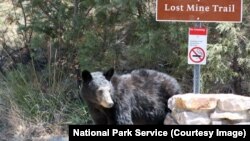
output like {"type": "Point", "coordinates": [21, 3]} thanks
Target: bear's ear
{"type": "Point", "coordinates": [86, 76]}
{"type": "Point", "coordinates": [108, 74]}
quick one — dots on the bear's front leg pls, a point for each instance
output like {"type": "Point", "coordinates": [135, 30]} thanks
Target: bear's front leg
{"type": "Point", "coordinates": [98, 116]}
{"type": "Point", "coordinates": [123, 114]}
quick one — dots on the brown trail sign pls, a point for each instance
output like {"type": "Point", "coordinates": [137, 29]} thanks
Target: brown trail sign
{"type": "Point", "coordinates": [199, 10]}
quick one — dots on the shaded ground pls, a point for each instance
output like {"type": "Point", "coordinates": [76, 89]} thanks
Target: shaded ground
{"type": "Point", "coordinates": [29, 133]}
{"type": "Point", "coordinates": [13, 128]}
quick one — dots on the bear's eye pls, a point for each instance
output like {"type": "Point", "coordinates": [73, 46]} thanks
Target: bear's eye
{"type": "Point", "coordinates": [100, 91]}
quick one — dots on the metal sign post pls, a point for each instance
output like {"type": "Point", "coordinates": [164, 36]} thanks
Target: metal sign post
{"type": "Point", "coordinates": [196, 81]}
{"type": "Point", "coordinates": [197, 52]}
{"type": "Point", "coordinates": [197, 72]}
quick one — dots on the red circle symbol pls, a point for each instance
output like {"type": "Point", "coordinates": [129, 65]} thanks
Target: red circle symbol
{"type": "Point", "coordinates": [197, 54]}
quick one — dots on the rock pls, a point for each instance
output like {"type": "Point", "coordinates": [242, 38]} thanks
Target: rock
{"type": "Point", "coordinates": [192, 118]}
{"type": "Point", "coordinates": [229, 115]}
{"type": "Point", "coordinates": [205, 102]}
{"type": "Point", "coordinates": [242, 123]}
{"type": "Point", "coordinates": [58, 138]}
{"type": "Point", "coordinates": [193, 102]}
{"type": "Point", "coordinates": [50, 138]}
{"type": "Point", "coordinates": [169, 120]}
{"type": "Point", "coordinates": [215, 109]}
{"type": "Point", "coordinates": [221, 122]}
{"type": "Point", "coordinates": [233, 103]}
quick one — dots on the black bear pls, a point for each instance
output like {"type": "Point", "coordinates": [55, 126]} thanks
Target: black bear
{"type": "Point", "coordinates": [140, 97]}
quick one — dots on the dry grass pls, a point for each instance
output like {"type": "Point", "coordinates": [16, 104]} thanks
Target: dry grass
{"type": "Point", "coordinates": [14, 128]}
{"type": "Point", "coordinates": [36, 110]}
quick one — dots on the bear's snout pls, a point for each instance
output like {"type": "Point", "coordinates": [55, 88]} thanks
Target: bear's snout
{"type": "Point", "coordinates": [107, 104]}
{"type": "Point", "coordinates": [105, 98]}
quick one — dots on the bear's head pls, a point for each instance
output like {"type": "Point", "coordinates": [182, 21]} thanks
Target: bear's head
{"type": "Point", "coordinates": [97, 87]}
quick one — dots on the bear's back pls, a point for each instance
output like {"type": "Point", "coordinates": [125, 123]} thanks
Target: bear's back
{"type": "Point", "coordinates": [147, 79]}
{"type": "Point", "coordinates": [146, 92]}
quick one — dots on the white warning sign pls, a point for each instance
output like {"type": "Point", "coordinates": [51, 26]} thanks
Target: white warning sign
{"type": "Point", "coordinates": [197, 46]}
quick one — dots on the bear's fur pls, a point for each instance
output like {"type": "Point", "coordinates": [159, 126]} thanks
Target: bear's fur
{"type": "Point", "coordinates": [140, 97]}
